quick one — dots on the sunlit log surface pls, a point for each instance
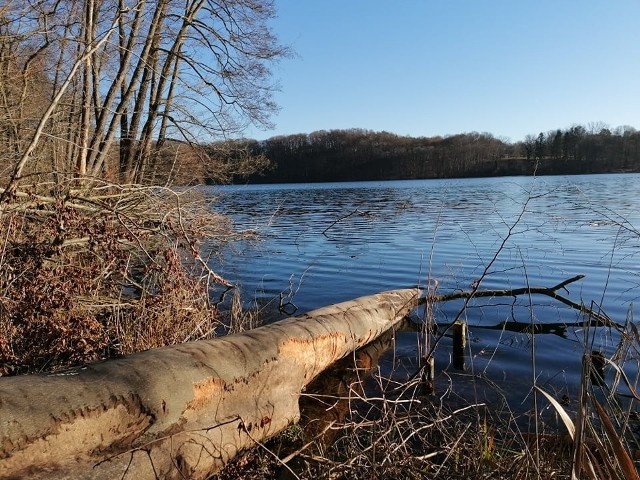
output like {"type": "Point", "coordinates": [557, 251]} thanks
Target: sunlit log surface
{"type": "Point", "coordinates": [181, 411]}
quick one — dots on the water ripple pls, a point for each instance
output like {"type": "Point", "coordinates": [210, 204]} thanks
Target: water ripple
{"type": "Point", "coordinates": [325, 243]}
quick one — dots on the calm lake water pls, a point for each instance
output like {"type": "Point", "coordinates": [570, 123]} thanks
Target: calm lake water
{"type": "Point", "coordinates": [324, 243]}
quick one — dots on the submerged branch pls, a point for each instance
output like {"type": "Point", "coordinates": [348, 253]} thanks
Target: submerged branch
{"type": "Point", "coordinates": [515, 292]}
{"type": "Point", "coordinates": [357, 211]}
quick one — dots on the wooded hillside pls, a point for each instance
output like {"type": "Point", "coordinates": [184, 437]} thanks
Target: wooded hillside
{"type": "Point", "coordinates": [350, 155]}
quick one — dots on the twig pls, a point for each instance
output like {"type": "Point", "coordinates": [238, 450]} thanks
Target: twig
{"type": "Point", "coordinates": [355, 212]}
{"type": "Point", "coordinates": [90, 50]}
{"type": "Point", "coordinates": [291, 456]}
{"type": "Point", "coordinates": [276, 457]}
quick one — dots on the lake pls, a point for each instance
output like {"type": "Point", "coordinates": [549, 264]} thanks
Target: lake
{"type": "Point", "coordinates": [324, 243]}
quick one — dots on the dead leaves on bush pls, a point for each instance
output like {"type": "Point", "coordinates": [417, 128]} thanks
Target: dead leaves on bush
{"type": "Point", "coordinates": [100, 275]}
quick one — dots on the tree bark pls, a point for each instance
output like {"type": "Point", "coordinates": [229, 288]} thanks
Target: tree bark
{"type": "Point", "coordinates": [181, 411]}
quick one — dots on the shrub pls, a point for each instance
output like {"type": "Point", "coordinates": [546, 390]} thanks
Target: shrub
{"type": "Point", "coordinates": [99, 272]}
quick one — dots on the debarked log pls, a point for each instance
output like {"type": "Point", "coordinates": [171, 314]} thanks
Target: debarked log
{"type": "Point", "coordinates": [180, 411]}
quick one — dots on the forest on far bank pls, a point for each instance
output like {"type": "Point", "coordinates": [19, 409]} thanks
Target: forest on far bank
{"type": "Point", "coordinates": [357, 154]}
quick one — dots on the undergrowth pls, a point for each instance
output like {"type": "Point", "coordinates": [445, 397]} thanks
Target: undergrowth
{"type": "Point", "coordinates": [359, 424]}
{"type": "Point", "coordinates": [93, 273]}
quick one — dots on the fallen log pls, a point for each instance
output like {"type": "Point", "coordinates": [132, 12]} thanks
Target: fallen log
{"type": "Point", "coordinates": [180, 411]}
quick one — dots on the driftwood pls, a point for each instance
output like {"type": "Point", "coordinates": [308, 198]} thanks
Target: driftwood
{"type": "Point", "coordinates": [551, 292]}
{"type": "Point", "coordinates": [181, 411]}
{"type": "Point", "coordinates": [593, 317]}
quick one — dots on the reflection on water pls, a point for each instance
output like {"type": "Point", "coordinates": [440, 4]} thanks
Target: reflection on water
{"type": "Point", "coordinates": [326, 243]}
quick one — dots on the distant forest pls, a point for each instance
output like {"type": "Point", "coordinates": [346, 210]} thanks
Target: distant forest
{"type": "Point", "coordinates": [356, 154]}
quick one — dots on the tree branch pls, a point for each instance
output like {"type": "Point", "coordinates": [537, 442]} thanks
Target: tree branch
{"type": "Point", "coordinates": [514, 292]}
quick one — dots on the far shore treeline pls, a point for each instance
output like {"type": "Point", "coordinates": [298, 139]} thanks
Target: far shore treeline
{"type": "Point", "coordinates": [357, 154]}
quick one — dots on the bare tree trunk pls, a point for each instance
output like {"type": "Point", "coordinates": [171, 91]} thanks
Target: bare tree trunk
{"type": "Point", "coordinates": [107, 120]}
{"type": "Point", "coordinates": [141, 77]}
{"type": "Point", "coordinates": [85, 118]}
{"type": "Point", "coordinates": [162, 133]}
{"type": "Point", "coordinates": [158, 86]}
{"type": "Point", "coordinates": [182, 411]}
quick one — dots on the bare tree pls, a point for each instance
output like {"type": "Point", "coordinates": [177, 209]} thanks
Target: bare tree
{"type": "Point", "coordinates": [124, 76]}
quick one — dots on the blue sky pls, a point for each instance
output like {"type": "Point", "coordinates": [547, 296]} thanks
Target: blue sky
{"type": "Point", "coordinates": [439, 67]}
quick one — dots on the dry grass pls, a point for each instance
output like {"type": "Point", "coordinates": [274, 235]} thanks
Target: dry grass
{"type": "Point", "coordinates": [409, 435]}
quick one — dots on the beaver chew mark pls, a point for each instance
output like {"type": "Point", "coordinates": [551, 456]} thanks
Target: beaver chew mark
{"type": "Point", "coordinates": [205, 391]}
{"type": "Point", "coordinates": [316, 353]}
{"type": "Point", "coordinates": [120, 421]}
